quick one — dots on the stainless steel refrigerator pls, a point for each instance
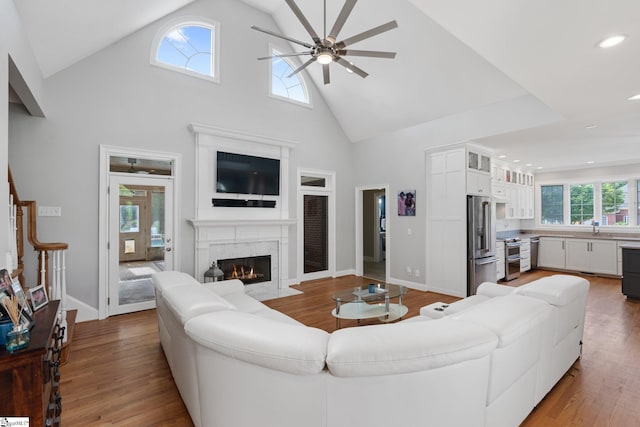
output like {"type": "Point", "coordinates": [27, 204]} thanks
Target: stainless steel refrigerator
{"type": "Point", "coordinates": [481, 242]}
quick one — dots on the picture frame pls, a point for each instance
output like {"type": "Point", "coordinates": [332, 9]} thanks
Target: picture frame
{"type": "Point", "coordinates": [407, 203]}
{"type": "Point", "coordinates": [18, 291]}
{"type": "Point", "coordinates": [38, 296]}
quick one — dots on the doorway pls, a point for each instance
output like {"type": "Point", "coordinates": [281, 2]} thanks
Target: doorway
{"type": "Point", "coordinates": [372, 233]}
{"type": "Point", "coordinates": [316, 236]}
{"type": "Point", "coordinates": [137, 218]}
{"type": "Point", "coordinates": [140, 229]}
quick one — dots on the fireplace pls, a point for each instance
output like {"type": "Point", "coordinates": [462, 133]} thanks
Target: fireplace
{"type": "Point", "coordinates": [250, 270]}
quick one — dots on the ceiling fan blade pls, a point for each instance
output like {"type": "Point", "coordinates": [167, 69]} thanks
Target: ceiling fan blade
{"type": "Point", "coordinates": [271, 33]}
{"type": "Point", "coordinates": [342, 18]}
{"type": "Point", "coordinates": [349, 66]}
{"type": "Point", "coordinates": [370, 53]}
{"type": "Point", "coordinates": [325, 74]}
{"type": "Point", "coordinates": [367, 34]}
{"type": "Point", "coordinates": [302, 67]}
{"type": "Point", "coordinates": [303, 20]}
{"type": "Point", "coordinates": [284, 55]}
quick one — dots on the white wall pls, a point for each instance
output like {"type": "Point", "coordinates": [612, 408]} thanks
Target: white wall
{"type": "Point", "coordinates": [116, 97]}
{"type": "Point", "coordinates": [12, 43]}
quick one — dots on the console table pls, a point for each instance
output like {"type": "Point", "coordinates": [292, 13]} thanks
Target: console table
{"type": "Point", "coordinates": [30, 378]}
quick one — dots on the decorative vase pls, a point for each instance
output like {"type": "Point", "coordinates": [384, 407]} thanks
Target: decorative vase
{"type": "Point", "coordinates": [17, 338]}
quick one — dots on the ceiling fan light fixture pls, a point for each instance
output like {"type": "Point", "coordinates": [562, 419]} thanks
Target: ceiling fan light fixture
{"type": "Point", "coordinates": [612, 41]}
{"type": "Point", "coordinates": [325, 58]}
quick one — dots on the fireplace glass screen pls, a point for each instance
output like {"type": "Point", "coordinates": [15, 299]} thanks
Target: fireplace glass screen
{"type": "Point", "coordinates": [250, 270]}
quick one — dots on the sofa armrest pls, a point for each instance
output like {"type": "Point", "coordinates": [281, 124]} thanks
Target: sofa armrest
{"type": "Point", "coordinates": [226, 287]}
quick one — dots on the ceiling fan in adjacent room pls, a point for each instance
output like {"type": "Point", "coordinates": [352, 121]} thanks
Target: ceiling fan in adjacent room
{"type": "Point", "coordinates": [327, 50]}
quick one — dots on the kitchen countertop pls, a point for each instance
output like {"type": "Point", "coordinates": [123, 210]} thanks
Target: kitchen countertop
{"type": "Point", "coordinates": [587, 235]}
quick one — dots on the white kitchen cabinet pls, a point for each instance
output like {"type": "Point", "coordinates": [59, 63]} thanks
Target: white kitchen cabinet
{"type": "Point", "coordinates": [551, 252]}
{"type": "Point", "coordinates": [592, 256]}
{"type": "Point", "coordinates": [478, 183]}
{"type": "Point", "coordinates": [525, 254]}
{"type": "Point", "coordinates": [500, 266]}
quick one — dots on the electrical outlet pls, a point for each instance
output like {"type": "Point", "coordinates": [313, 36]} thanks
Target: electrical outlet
{"type": "Point", "coordinates": [408, 270]}
{"type": "Point", "coordinates": [49, 211]}
{"type": "Point", "coordinates": [417, 272]}
{"type": "Point", "coordinates": [409, 232]}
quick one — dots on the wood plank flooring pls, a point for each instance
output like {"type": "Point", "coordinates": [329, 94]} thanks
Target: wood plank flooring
{"type": "Point", "coordinates": [117, 374]}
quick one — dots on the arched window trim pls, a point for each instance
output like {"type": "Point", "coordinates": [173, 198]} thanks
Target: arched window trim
{"type": "Point", "coordinates": [293, 63]}
{"type": "Point", "coordinates": [182, 22]}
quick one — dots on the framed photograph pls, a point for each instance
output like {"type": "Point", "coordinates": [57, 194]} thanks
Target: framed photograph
{"type": "Point", "coordinates": [407, 203]}
{"type": "Point", "coordinates": [6, 282]}
{"type": "Point", "coordinates": [22, 298]}
{"type": "Point", "coordinates": [38, 297]}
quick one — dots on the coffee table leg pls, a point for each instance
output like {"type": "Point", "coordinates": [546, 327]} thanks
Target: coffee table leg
{"type": "Point", "coordinates": [400, 304]}
{"type": "Point", "coordinates": [386, 306]}
{"type": "Point", "coordinates": [338, 302]}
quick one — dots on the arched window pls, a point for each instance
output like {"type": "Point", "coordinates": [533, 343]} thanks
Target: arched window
{"type": "Point", "coordinates": [289, 88]}
{"type": "Point", "coordinates": [189, 46]}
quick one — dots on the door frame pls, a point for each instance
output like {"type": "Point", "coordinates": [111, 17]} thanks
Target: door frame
{"type": "Point", "coordinates": [330, 191]}
{"type": "Point", "coordinates": [360, 232]}
{"type": "Point", "coordinates": [106, 152]}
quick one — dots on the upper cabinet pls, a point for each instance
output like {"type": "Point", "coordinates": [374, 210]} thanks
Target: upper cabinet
{"type": "Point", "coordinates": [514, 188]}
{"type": "Point", "coordinates": [478, 172]}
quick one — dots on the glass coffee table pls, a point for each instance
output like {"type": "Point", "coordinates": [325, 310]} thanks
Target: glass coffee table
{"type": "Point", "coordinates": [368, 302]}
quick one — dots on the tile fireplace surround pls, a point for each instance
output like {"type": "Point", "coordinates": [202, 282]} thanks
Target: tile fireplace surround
{"type": "Point", "coordinates": [232, 232]}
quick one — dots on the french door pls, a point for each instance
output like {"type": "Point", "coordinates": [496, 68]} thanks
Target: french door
{"type": "Point", "coordinates": [140, 239]}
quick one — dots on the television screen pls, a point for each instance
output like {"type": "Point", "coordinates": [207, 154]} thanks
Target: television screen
{"type": "Point", "coordinates": [242, 174]}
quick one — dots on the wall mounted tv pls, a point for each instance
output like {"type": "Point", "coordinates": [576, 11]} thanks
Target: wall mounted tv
{"type": "Point", "coordinates": [242, 174]}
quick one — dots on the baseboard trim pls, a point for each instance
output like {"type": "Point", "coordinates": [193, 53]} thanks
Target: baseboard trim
{"type": "Point", "coordinates": [85, 311]}
{"type": "Point", "coordinates": [411, 285]}
{"type": "Point", "coordinates": [342, 273]}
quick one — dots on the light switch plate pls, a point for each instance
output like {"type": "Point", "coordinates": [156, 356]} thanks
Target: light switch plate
{"type": "Point", "coordinates": [49, 211]}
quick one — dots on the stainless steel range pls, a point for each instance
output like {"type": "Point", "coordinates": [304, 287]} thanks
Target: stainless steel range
{"type": "Point", "coordinates": [512, 258]}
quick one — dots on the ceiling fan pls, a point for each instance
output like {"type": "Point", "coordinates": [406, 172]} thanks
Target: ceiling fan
{"type": "Point", "coordinates": [327, 50]}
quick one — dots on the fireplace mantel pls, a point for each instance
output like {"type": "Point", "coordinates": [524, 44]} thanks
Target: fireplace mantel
{"type": "Point", "coordinates": [197, 223]}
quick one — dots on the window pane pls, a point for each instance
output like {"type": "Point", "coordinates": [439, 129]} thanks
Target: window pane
{"type": "Point", "coordinates": [284, 86]}
{"type": "Point", "coordinates": [615, 205]}
{"type": "Point", "coordinates": [552, 204]}
{"type": "Point", "coordinates": [129, 219]}
{"type": "Point", "coordinates": [581, 203]}
{"type": "Point", "coordinates": [189, 48]}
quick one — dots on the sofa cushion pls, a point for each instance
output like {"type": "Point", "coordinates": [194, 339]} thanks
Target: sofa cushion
{"type": "Point", "coordinates": [244, 302]}
{"type": "Point", "coordinates": [509, 317]}
{"type": "Point", "coordinates": [491, 290]}
{"type": "Point", "coordinates": [558, 290]}
{"type": "Point", "coordinates": [226, 287]}
{"type": "Point", "coordinates": [168, 279]}
{"type": "Point", "coordinates": [188, 301]}
{"type": "Point", "coordinates": [262, 341]}
{"type": "Point", "coordinates": [406, 347]}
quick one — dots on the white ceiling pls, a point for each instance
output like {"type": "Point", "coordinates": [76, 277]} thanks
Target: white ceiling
{"type": "Point", "coordinates": [454, 57]}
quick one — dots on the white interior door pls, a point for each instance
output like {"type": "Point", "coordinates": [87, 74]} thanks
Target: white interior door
{"type": "Point", "coordinates": [140, 239]}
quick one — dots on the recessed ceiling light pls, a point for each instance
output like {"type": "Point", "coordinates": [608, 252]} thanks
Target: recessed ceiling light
{"type": "Point", "coordinates": [529, 164]}
{"type": "Point", "coordinates": [634, 97]}
{"type": "Point", "coordinates": [516, 161]}
{"type": "Point", "coordinates": [539, 167]}
{"type": "Point", "coordinates": [612, 41]}
{"type": "Point", "coordinates": [591, 126]}
{"type": "Point", "coordinates": [590, 162]}
{"type": "Point", "coordinates": [502, 156]}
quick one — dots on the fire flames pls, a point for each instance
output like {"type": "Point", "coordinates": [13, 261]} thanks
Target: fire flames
{"type": "Point", "coordinates": [242, 274]}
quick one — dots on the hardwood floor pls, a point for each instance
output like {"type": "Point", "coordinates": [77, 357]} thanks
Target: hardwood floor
{"type": "Point", "coordinates": [117, 373]}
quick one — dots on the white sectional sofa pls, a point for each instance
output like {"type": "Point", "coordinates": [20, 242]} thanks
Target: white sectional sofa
{"type": "Point", "coordinates": [483, 361]}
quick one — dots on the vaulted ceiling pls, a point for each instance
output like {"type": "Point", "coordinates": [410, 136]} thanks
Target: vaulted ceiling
{"type": "Point", "coordinates": [453, 57]}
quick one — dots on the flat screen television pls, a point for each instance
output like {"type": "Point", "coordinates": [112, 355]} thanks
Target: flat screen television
{"type": "Point", "coordinates": [242, 174]}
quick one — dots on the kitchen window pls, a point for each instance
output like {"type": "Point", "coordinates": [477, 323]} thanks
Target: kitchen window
{"type": "Point", "coordinates": [552, 204]}
{"type": "Point", "coordinates": [615, 203]}
{"type": "Point", "coordinates": [581, 196]}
